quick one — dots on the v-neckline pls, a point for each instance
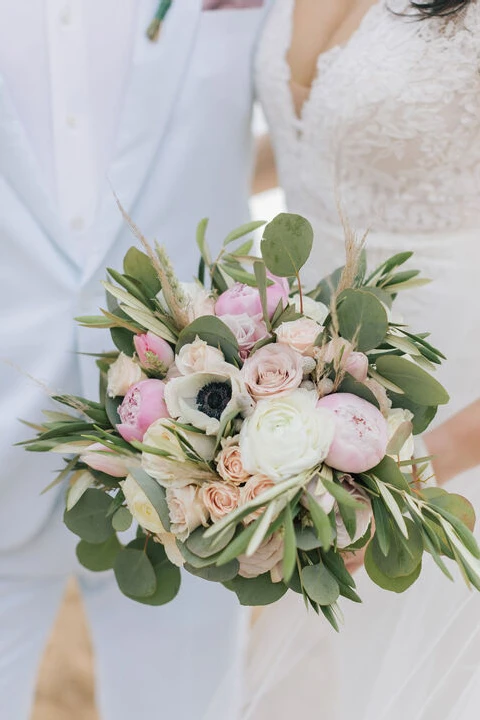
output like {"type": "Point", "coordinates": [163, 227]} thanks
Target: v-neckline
{"type": "Point", "coordinates": [334, 50]}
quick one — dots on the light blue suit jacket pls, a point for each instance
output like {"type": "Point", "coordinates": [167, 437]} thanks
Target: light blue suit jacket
{"type": "Point", "coordinates": [183, 152]}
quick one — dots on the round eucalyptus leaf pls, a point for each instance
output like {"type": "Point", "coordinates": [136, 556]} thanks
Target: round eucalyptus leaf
{"type": "Point", "coordinates": [224, 573]}
{"type": "Point", "coordinates": [256, 591]}
{"type": "Point", "coordinates": [286, 244]}
{"type": "Point", "coordinates": [138, 265]}
{"type": "Point", "coordinates": [362, 319]}
{"type": "Point", "coordinates": [98, 558]}
{"type": "Point", "coordinates": [398, 584]}
{"type": "Point", "coordinates": [320, 585]}
{"type": "Point", "coordinates": [415, 382]}
{"type": "Point", "coordinates": [122, 519]}
{"type": "Point", "coordinates": [404, 555]}
{"type": "Point", "coordinates": [215, 333]}
{"type": "Point", "coordinates": [204, 547]}
{"type": "Point", "coordinates": [168, 581]}
{"type": "Point", "coordinates": [88, 518]}
{"type": "Point", "coordinates": [134, 573]}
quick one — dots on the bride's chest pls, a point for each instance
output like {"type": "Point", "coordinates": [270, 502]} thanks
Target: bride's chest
{"type": "Point", "coordinates": [394, 80]}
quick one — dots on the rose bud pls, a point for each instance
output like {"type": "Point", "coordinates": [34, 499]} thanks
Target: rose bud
{"type": "Point", "coordinates": [360, 436]}
{"type": "Point", "coordinates": [101, 458]}
{"type": "Point", "coordinates": [154, 352]}
{"type": "Point", "coordinates": [142, 405]}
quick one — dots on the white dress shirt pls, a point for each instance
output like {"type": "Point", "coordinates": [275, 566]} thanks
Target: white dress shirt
{"type": "Point", "coordinates": [65, 64]}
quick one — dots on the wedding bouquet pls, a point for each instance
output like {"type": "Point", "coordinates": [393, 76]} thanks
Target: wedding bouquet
{"type": "Point", "coordinates": [258, 432]}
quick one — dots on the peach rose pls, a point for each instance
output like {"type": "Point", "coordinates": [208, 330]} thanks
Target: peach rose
{"type": "Point", "coordinates": [273, 370]}
{"type": "Point", "coordinates": [186, 509]}
{"type": "Point", "coordinates": [220, 499]}
{"type": "Point", "coordinates": [229, 462]}
{"type": "Point", "coordinates": [268, 555]}
{"type": "Point", "coordinates": [254, 487]}
{"type": "Point", "coordinates": [299, 334]}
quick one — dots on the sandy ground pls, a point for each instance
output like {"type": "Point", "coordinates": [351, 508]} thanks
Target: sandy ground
{"type": "Point", "coordinates": [65, 684]}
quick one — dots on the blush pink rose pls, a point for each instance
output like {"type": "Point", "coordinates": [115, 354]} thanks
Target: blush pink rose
{"type": "Point", "coordinates": [142, 405]}
{"type": "Point", "coordinates": [357, 366]}
{"type": "Point", "coordinates": [361, 433]}
{"type": "Point", "coordinates": [299, 334]}
{"type": "Point", "coordinates": [98, 457]}
{"type": "Point", "coordinates": [340, 352]}
{"type": "Point", "coordinates": [243, 299]}
{"type": "Point", "coordinates": [153, 352]}
{"type": "Point", "coordinates": [220, 499]}
{"type": "Point", "coordinates": [247, 329]}
{"type": "Point", "coordinates": [273, 370]}
{"type": "Point", "coordinates": [254, 487]}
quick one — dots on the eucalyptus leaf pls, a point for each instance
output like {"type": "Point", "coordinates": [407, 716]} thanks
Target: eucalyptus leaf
{"type": "Point", "coordinates": [88, 518]}
{"type": "Point", "coordinates": [204, 547]}
{"type": "Point", "coordinates": [341, 495]}
{"type": "Point", "coordinates": [98, 557]}
{"type": "Point", "coordinates": [214, 573]}
{"type": "Point", "coordinates": [122, 519]}
{"type": "Point", "coordinates": [139, 266]}
{"type": "Point", "coordinates": [290, 548]}
{"type": "Point", "coordinates": [350, 385]}
{"type": "Point", "coordinates": [321, 522]}
{"type": "Point", "coordinates": [362, 319]}
{"type": "Point", "coordinates": [123, 340]}
{"type": "Point", "coordinates": [417, 384]}
{"type": "Point", "coordinates": [398, 584]}
{"type": "Point", "coordinates": [306, 539]}
{"type": "Point", "coordinates": [403, 556]}
{"type": "Point", "coordinates": [423, 415]}
{"type": "Point", "coordinates": [320, 585]}
{"type": "Point", "coordinates": [256, 591]}
{"type": "Point", "coordinates": [286, 244]}
{"type": "Point", "coordinates": [134, 573]}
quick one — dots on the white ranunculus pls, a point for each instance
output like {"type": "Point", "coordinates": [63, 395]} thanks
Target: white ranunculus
{"type": "Point", "coordinates": [122, 374]}
{"type": "Point", "coordinates": [202, 399]}
{"type": "Point", "coordinates": [311, 308]}
{"type": "Point", "coordinates": [199, 357]}
{"type": "Point", "coordinates": [400, 434]}
{"type": "Point", "coordinates": [175, 470]}
{"type": "Point", "coordinates": [286, 435]}
{"type": "Point", "coordinates": [141, 507]}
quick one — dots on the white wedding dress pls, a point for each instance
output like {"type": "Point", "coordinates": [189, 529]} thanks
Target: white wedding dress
{"type": "Point", "coordinates": [392, 130]}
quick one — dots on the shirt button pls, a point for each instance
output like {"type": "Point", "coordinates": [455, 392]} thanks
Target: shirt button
{"type": "Point", "coordinates": [71, 121]}
{"type": "Point", "coordinates": [77, 224]}
{"type": "Point", "coordinates": [66, 15]}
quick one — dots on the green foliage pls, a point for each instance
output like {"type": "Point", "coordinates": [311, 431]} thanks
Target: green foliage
{"type": "Point", "coordinates": [204, 547]}
{"type": "Point", "coordinates": [215, 333]}
{"type": "Point", "coordinates": [214, 573]}
{"type": "Point", "coordinates": [286, 244]}
{"type": "Point", "coordinates": [134, 573]}
{"type": "Point", "coordinates": [417, 384]}
{"type": "Point", "coordinates": [138, 265]}
{"type": "Point", "coordinates": [122, 519]}
{"type": "Point", "coordinates": [321, 522]}
{"type": "Point", "coordinates": [306, 539]}
{"type": "Point", "coordinates": [155, 493]}
{"type": "Point", "coordinates": [256, 591]}
{"type": "Point", "coordinates": [290, 548]}
{"type": "Point", "coordinates": [397, 584]}
{"type": "Point", "coordinates": [89, 517]}
{"type": "Point", "coordinates": [98, 557]}
{"type": "Point", "coordinates": [111, 408]}
{"type": "Point", "coordinates": [350, 385]}
{"type": "Point", "coordinates": [362, 319]}
{"type": "Point", "coordinates": [320, 585]}
{"type": "Point", "coordinates": [423, 415]}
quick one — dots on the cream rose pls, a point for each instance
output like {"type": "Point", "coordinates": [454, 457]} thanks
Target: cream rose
{"type": "Point", "coordinates": [401, 442]}
{"type": "Point", "coordinates": [187, 511]}
{"type": "Point", "coordinates": [229, 462]}
{"type": "Point", "coordinates": [273, 370]}
{"type": "Point", "coordinates": [363, 515]}
{"type": "Point", "coordinates": [254, 487]}
{"type": "Point", "coordinates": [122, 374]}
{"type": "Point", "coordinates": [311, 308]}
{"type": "Point", "coordinates": [285, 436]}
{"type": "Point", "coordinates": [199, 357]}
{"type": "Point", "coordinates": [140, 506]}
{"type": "Point", "coordinates": [220, 499]}
{"type": "Point", "coordinates": [268, 555]}
{"type": "Point", "coordinates": [299, 334]}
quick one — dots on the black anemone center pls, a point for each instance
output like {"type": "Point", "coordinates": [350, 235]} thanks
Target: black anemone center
{"type": "Point", "coordinates": [213, 398]}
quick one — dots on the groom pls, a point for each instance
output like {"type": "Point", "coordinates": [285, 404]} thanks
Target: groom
{"type": "Point", "coordinates": [88, 103]}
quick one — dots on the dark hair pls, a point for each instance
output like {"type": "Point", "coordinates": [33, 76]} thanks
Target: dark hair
{"type": "Point", "coordinates": [439, 8]}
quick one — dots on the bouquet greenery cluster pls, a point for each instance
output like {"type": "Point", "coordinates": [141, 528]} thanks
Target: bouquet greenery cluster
{"type": "Point", "coordinates": [257, 431]}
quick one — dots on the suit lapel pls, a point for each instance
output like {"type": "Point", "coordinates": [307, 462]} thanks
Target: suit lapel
{"type": "Point", "coordinates": [157, 73]}
{"type": "Point", "coordinates": [19, 167]}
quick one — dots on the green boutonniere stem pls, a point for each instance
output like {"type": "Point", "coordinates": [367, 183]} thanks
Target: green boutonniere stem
{"type": "Point", "coordinates": [153, 30]}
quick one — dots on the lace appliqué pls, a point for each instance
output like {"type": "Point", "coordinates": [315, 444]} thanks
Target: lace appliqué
{"type": "Point", "coordinates": [392, 124]}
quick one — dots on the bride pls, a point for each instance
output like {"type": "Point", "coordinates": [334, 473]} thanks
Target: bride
{"type": "Point", "coordinates": [376, 104]}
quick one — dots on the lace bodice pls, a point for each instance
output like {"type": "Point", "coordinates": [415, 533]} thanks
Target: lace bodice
{"type": "Point", "coordinates": [392, 124]}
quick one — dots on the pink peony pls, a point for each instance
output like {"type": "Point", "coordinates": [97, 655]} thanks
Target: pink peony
{"type": "Point", "coordinates": [142, 405]}
{"type": "Point", "coordinates": [361, 433]}
{"type": "Point", "coordinates": [101, 458]}
{"type": "Point", "coordinates": [240, 299]}
{"type": "Point", "coordinates": [273, 370]}
{"type": "Point", "coordinates": [153, 352]}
